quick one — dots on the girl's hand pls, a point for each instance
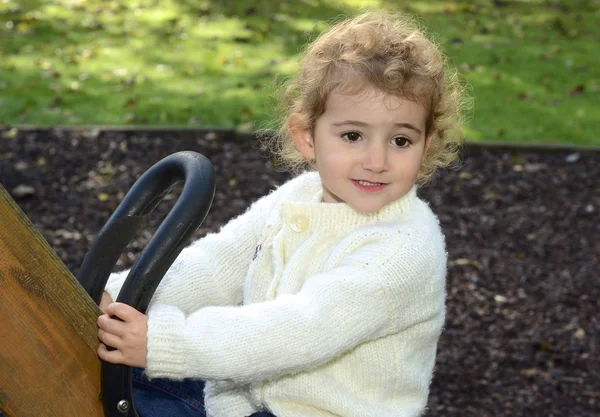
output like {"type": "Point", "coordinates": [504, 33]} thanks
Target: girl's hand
{"type": "Point", "coordinates": [129, 337]}
{"type": "Point", "coordinates": [105, 301]}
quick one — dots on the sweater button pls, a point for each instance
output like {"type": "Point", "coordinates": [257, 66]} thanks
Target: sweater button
{"type": "Point", "coordinates": [299, 223]}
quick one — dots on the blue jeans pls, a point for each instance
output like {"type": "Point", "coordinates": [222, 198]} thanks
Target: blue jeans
{"type": "Point", "coordinates": [165, 397]}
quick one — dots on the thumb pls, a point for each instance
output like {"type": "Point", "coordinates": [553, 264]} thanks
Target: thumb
{"type": "Point", "coordinates": [105, 301]}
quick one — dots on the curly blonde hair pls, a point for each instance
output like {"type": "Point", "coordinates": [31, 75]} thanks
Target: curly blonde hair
{"type": "Point", "coordinates": [385, 50]}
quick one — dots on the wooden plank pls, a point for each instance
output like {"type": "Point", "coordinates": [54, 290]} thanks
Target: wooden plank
{"type": "Point", "coordinates": [48, 333]}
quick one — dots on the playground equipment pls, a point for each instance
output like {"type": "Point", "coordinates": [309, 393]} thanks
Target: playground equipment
{"type": "Point", "coordinates": [48, 332]}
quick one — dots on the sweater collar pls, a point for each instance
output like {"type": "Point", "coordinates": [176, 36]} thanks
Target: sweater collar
{"type": "Point", "coordinates": [337, 216]}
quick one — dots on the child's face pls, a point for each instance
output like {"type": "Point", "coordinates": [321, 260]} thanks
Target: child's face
{"type": "Point", "coordinates": [368, 148]}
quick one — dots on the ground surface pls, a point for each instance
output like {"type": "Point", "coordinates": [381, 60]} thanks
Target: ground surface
{"type": "Point", "coordinates": [523, 240]}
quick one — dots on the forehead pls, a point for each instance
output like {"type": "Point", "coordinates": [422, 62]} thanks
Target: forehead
{"type": "Point", "coordinates": [373, 106]}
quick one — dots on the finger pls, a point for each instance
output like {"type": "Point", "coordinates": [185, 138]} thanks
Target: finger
{"type": "Point", "coordinates": [112, 356]}
{"type": "Point", "coordinates": [112, 326]}
{"type": "Point", "coordinates": [109, 339]}
{"type": "Point", "coordinates": [123, 311]}
{"type": "Point", "coordinates": [105, 301]}
{"type": "Point", "coordinates": [106, 296]}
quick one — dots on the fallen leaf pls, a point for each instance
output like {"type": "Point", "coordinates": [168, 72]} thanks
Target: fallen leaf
{"type": "Point", "coordinates": [534, 167]}
{"type": "Point", "coordinates": [65, 234]}
{"type": "Point", "coordinates": [465, 261]}
{"type": "Point", "coordinates": [10, 133]}
{"type": "Point", "coordinates": [130, 103]}
{"type": "Point", "coordinates": [500, 298]}
{"type": "Point", "coordinates": [574, 157]}
{"type": "Point", "coordinates": [23, 190]}
{"type": "Point", "coordinates": [577, 90]}
{"type": "Point", "coordinates": [535, 372]}
{"type": "Point", "coordinates": [465, 175]}
{"type": "Point", "coordinates": [21, 166]}
{"type": "Point", "coordinates": [491, 196]}
{"type": "Point", "coordinates": [525, 95]}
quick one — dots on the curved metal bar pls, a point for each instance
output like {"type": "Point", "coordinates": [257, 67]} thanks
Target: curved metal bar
{"type": "Point", "coordinates": [169, 240]}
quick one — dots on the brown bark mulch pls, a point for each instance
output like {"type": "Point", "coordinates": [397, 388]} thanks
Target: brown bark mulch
{"type": "Point", "coordinates": [522, 233]}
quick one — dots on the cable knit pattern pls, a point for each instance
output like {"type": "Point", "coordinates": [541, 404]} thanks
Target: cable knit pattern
{"type": "Point", "coordinates": [305, 308]}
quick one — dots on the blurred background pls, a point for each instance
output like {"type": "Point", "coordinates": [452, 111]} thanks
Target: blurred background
{"type": "Point", "coordinates": [532, 65]}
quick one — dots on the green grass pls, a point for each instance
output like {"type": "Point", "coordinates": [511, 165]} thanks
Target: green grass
{"type": "Point", "coordinates": [533, 65]}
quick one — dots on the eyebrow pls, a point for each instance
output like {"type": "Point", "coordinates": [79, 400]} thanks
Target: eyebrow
{"type": "Point", "coordinates": [363, 124]}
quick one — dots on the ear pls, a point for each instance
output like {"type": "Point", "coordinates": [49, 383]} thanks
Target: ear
{"type": "Point", "coordinates": [427, 143]}
{"type": "Point", "coordinates": [303, 138]}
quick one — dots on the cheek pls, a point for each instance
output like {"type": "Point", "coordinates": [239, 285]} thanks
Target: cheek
{"type": "Point", "coordinates": [335, 163]}
{"type": "Point", "coordinates": [408, 165]}
{"type": "Point", "coordinates": [326, 164]}
{"type": "Point", "coordinates": [415, 169]}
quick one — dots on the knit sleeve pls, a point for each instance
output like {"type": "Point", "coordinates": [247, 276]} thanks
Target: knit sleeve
{"type": "Point", "coordinates": [381, 288]}
{"type": "Point", "coordinates": [211, 270]}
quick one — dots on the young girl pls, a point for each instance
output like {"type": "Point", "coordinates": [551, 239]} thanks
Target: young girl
{"type": "Point", "coordinates": [326, 297]}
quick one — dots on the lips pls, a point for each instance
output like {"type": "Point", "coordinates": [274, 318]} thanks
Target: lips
{"type": "Point", "coordinates": [369, 186]}
{"type": "Point", "coordinates": [368, 182]}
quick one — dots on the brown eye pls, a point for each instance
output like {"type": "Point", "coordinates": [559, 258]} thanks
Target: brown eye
{"type": "Point", "coordinates": [351, 136]}
{"type": "Point", "coordinates": [401, 141]}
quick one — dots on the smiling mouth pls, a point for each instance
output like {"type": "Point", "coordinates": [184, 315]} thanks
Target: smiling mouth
{"type": "Point", "coordinates": [369, 186]}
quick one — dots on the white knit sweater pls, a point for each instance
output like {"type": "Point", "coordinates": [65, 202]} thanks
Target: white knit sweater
{"type": "Point", "coordinates": [305, 308]}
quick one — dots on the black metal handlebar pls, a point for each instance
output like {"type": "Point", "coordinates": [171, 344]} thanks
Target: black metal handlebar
{"type": "Point", "coordinates": [169, 240]}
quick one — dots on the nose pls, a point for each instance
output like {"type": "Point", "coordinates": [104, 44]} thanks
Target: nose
{"type": "Point", "coordinates": [376, 157]}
